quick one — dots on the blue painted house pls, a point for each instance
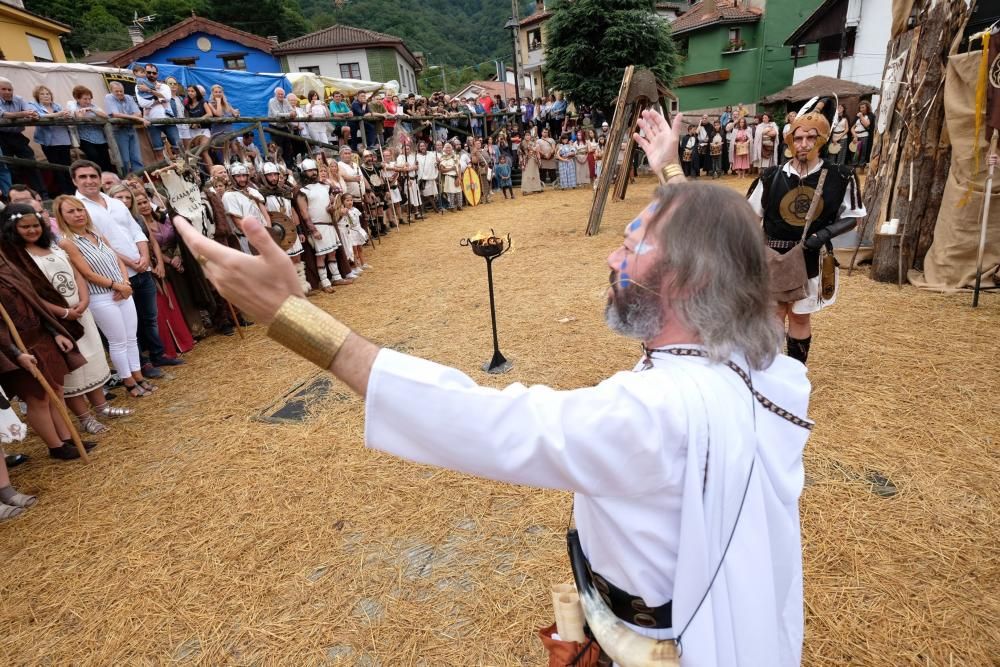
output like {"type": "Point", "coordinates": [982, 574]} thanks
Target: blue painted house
{"type": "Point", "coordinates": [198, 42]}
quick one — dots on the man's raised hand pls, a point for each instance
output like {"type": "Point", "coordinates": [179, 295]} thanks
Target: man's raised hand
{"type": "Point", "coordinates": [658, 139]}
{"type": "Point", "coordinates": [257, 285]}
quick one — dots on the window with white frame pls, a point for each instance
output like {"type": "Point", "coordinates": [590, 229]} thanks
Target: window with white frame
{"type": "Point", "coordinates": [234, 62]}
{"type": "Point", "coordinates": [350, 71]}
{"type": "Point", "coordinates": [40, 49]}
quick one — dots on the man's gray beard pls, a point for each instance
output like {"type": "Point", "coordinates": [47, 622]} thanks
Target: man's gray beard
{"type": "Point", "coordinates": [637, 315]}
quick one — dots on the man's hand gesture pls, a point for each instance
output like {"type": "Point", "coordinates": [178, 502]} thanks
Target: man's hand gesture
{"type": "Point", "coordinates": [658, 139]}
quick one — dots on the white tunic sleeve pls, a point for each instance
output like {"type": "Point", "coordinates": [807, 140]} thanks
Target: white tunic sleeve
{"type": "Point", "coordinates": [755, 199]}
{"type": "Point", "coordinates": [620, 438]}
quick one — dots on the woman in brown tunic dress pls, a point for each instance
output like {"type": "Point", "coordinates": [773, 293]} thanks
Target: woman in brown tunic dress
{"type": "Point", "coordinates": [50, 347]}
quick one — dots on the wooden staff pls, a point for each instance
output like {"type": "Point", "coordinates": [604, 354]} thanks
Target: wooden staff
{"type": "Point", "coordinates": [987, 193]}
{"type": "Point", "coordinates": [56, 399]}
{"type": "Point", "coordinates": [159, 281]}
{"type": "Point", "coordinates": [232, 310]}
{"type": "Point", "coordinates": [236, 320]}
{"type": "Point", "coordinates": [162, 288]}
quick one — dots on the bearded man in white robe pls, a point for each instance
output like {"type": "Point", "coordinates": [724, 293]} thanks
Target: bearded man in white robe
{"type": "Point", "coordinates": [686, 469]}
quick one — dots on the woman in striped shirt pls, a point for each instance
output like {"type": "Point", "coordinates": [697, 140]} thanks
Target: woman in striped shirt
{"type": "Point", "coordinates": [110, 292]}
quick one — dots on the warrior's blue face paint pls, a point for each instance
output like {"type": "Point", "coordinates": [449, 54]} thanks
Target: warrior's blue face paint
{"type": "Point", "coordinates": [643, 248]}
{"type": "Point", "coordinates": [623, 260]}
{"type": "Point", "coordinates": [623, 278]}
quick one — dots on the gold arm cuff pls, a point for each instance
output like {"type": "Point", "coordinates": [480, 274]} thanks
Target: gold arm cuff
{"type": "Point", "coordinates": [308, 331]}
{"type": "Point", "coordinates": [672, 171]}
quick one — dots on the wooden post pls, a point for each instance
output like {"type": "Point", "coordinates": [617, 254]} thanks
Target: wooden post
{"type": "Point", "coordinates": [113, 152]}
{"type": "Point", "coordinates": [262, 138]}
{"type": "Point", "coordinates": [611, 154]}
{"type": "Point", "coordinates": [640, 90]}
{"type": "Point", "coordinates": [887, 261]}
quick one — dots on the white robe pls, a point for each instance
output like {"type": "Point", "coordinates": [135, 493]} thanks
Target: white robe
{"type": "Point", "coordinates": [356, 188]}
{"type": "Point", "coordinates": [317, 201]}
{"type": "Point", "coordinates": [243, 205]}
{"type": "Point", "coordinates": [427, 171]}
{"type": "Point", "coordinates": [405, 163]}
{"type": "Point", "coordinates": [645, 521]}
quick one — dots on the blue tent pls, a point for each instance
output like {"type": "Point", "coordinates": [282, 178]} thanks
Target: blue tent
{"type": "Point", "coordinates": [246, 91]}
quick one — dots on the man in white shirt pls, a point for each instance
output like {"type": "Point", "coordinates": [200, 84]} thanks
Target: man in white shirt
{"type": "Point", "coordinates": [407, 166]}
{"type": "Point", "coordinates": [155, 106]}
{"type": "Point", "coordinates": [427, 174]}
{"type": "Point", "coordinates": [351, 173]}
{"type": "Point", "coordinates": [242, 200]}
{"type": "Point", "coordinates": [115, 223]}
{"type": "Point", "coordinates": [686, 471]}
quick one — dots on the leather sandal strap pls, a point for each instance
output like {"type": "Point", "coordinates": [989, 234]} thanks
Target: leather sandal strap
{"type": "Point", "coordinates": [22, 500]}
{"type": "Point", "coordinates": [9, 511]}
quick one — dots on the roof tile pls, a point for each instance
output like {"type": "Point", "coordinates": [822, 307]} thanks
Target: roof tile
{"type": "Point", "coordinates": [336, 36]}
{"type": "Point", "coordinates": [704, 14]}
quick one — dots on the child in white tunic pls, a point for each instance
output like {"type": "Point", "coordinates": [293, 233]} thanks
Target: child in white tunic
{"type": "Point", "coordinates": [354, 234]}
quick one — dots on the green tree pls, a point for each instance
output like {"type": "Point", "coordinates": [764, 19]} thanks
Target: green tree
{"type": "Point", "coordinates": [100, 31]}
{"type": "Point", "coordinates": [590, 42]}
{"type": "Point", "coordinates": [264, 17]}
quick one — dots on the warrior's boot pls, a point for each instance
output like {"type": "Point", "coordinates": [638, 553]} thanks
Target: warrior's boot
{"type": "Point", "coordinates": [798, 348]}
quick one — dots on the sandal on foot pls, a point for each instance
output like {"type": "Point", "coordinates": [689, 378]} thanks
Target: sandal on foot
{"type": "Point", "coordinates": [108, 411]}
{"type": "Point", "coordinates": [22, 500]}
{"type": "Point", "coordinates": [148, 387]}
{"type": "Point", "coordinates": [9, 511]}
{"type": "Point", "coordinates": [135, 390]}
{"type": "Point", "coordinates": [91, 425]}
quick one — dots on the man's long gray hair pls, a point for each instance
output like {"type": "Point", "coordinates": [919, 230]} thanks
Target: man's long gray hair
{"type": "Point", "coordinates": [712, 248]}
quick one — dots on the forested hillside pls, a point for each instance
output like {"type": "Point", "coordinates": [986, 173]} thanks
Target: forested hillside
{"type": "Point", "coordinates": [456, 32]}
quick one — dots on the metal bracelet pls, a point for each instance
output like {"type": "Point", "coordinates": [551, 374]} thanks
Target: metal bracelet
{"type": "Point", "coordinates": [671, 171]}
{"type": "Point", "coordinates": [308, 331]}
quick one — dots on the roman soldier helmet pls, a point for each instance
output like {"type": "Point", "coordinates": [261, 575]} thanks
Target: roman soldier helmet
{"type": "Point", "coordinates": [238, 169]}
{"type": "Point", "coordinates": [269, 168]}
{"type": "Point", "coordinates": [816, 114]}
{"type": "Point", "coordinates": [308, 165]}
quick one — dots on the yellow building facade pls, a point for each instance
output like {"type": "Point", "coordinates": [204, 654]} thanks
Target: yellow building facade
{"type": "Point", "coordinates": [531, 47]}
{"type": "Point", "coordinates": [29, 37]}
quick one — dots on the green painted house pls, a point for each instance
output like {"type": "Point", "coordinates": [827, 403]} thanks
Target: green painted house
{"type": "Point", "coordinates": [734, 51]}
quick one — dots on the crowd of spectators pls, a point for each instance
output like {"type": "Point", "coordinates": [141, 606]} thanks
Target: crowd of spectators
{"type": "Point", "coordinates": [106, 296]}
{"type": "Point", "coordinates": [742, 144]}
{"type": "Point", "coordinates": [335, 121]}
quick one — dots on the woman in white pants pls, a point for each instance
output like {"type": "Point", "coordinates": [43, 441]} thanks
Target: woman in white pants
{"type": "Point", "coordinates": [110, 291]}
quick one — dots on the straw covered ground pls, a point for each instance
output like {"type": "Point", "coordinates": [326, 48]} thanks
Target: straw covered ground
{"type": "Point", "coordinates": [201, 535]}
